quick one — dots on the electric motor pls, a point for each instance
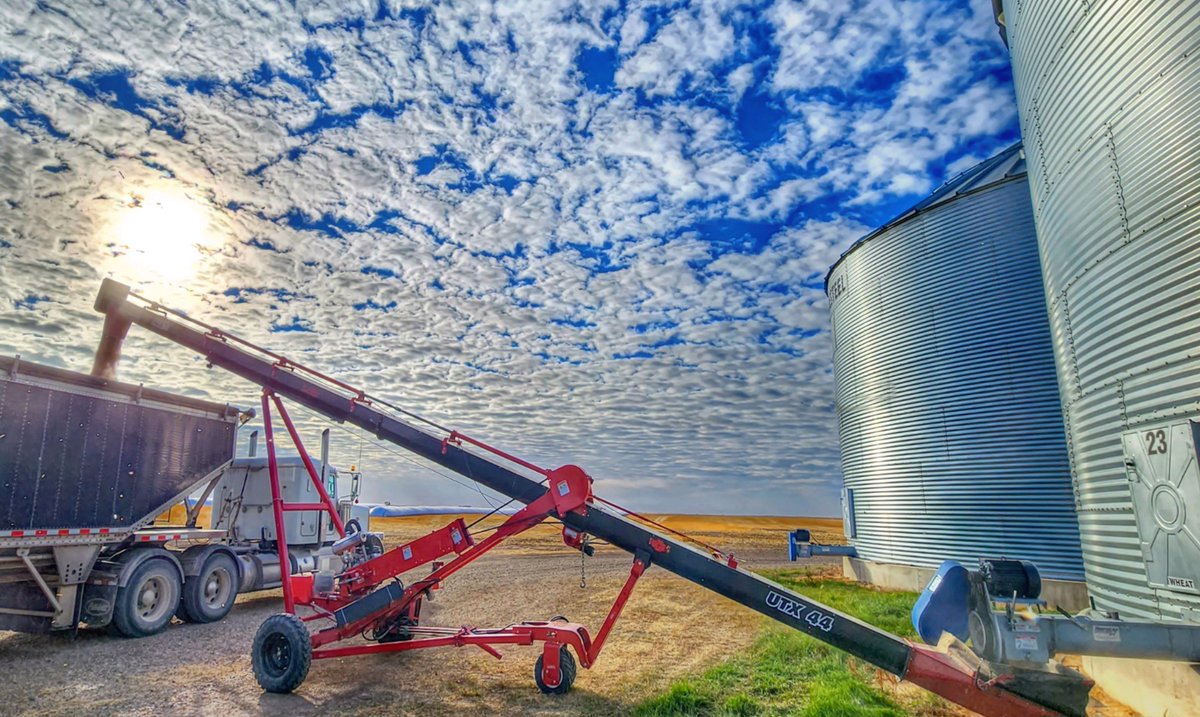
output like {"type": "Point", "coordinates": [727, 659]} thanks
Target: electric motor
{"type": "Point", "coordinates": [1006, 578]}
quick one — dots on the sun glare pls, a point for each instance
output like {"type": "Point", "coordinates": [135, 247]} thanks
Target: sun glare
{"type": "Point", "coordinates": [160, 236]}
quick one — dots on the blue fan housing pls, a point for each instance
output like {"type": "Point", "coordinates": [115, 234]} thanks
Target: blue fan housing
{"type": "Point", "coordinates": [944, 604]}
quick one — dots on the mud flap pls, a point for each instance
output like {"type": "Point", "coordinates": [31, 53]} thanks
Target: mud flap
{"type": "Point", "coordinates": [98, 602]}
{"type": "Point", "coordinates": [25, 597]}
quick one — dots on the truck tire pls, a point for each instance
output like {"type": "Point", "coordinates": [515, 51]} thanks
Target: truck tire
{"type": "Point", "coordinates": [281, 654]}
{"type": "Point", "coordinates": [208, 596]}
{"type": "Point", "coordinates": [149, 599]}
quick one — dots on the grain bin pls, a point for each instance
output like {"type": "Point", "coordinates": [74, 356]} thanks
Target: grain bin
{"type": "Point", "coordinates": [1109, 99]}
{"type": "Point", "coordinates": [951, 435]}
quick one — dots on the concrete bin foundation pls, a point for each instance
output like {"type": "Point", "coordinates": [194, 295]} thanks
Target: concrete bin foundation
{"type": "Point", "coordinates": [1070, 595]}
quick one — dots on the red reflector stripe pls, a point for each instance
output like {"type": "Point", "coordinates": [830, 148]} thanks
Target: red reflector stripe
{"type": "Point", "coordinates": [47, 532]}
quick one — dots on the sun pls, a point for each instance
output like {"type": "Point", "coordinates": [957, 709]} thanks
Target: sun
{"type": "Point", "coordinates": [160, 236]}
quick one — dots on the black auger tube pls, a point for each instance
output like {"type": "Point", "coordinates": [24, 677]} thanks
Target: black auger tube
{"type": "Point", "coordinates": [846, 633]}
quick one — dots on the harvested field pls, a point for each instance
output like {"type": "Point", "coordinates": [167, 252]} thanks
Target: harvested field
{"type": "Point", "coordinates": [760, 537]}
{"type": "Point", "coordinates": [737, 533]}
{"type": "Point", "coordinates": [671, 630]}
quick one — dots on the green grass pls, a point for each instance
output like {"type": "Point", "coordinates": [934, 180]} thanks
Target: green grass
{"type": "Point", "coordinates": [788, 673]}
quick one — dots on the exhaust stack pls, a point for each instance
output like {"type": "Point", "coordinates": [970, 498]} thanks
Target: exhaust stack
{"type": "Point", "coordinates": [324, 454]}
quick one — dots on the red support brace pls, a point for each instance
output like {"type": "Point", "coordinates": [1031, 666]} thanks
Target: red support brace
{"type": "Point", "coordinates": [453, 538]}
{"type": "Point", "coordinates": [458, 438]}
{"type": "Point", "coordinates": [278, 507]}
{"type": "Point", "coordinates": [285, 565]}
{"type": "Point", "coordinates": [294, 507]}
{"type": "Point", "coordinates": [312, 471]}
{"type": "Point", "coordinates": [639, 567]}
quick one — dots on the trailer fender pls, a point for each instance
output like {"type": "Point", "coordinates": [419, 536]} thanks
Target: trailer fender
{"type": "Point", "coordinates": [100, 591]}
{"type": "Point", "coordinates": [128, 561]}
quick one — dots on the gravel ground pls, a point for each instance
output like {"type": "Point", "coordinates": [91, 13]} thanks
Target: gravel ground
{"type": "Point", "coordinates": [670, 627]}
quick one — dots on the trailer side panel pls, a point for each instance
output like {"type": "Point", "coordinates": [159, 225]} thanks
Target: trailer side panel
{"type": "Point", "coordinates": [79, 453]}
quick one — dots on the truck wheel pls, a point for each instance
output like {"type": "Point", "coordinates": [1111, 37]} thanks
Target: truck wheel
{"type": "Point", "coordinates": [566, 671]}
{"type": "Point", "coordinates": [209, 595]}
{"type": "Point", "coordinates": [147, 602]}
{"type": "Point", "coordinates": [281, 654]}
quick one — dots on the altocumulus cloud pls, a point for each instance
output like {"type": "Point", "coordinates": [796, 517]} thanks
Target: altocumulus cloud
{"type": "Point", "coordinates": [589, 233]}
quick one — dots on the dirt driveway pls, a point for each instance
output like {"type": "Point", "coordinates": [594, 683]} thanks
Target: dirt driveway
{"type": "Point", "coordinates": [670, 628]}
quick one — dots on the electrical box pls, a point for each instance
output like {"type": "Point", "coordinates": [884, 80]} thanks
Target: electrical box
{"type": "Point", "coordinates": [242, 502]}
{"type": "Point", "coordinates": [1164, 484]}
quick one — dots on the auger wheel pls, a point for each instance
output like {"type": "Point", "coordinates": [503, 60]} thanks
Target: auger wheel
{"type": "Point", "coordinates": [282, 653]}
{"type": "Point", "coordinates": [566, 673]}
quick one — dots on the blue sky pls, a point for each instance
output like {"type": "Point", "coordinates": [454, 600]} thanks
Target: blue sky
{"type": "Point", "coordinates": [589, 233]}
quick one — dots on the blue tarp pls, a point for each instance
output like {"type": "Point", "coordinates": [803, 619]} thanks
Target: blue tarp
{"type": "Point", "coordinates": [399, 511]}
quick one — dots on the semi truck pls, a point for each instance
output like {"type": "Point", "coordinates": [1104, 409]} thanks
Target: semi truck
{"type": "Point", "coordinates": [88, 467]}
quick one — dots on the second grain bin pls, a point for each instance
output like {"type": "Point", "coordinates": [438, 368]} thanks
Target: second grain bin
{"type": "Point", "coordinates": [951, 433]}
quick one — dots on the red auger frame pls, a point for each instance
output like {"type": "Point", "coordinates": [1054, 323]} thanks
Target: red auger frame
{"type": "Point", "coordinates": [358, 604]}
{"type": "Point", "coordinates": [358, 600]}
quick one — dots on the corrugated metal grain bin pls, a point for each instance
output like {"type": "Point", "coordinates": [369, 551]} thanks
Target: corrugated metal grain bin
{"type": "Point", "coordinates": [951, 435]}
{"type": "Point", "coordinates": [81, 452]}
{"type": "Point", "coordinates": [1109, 98]}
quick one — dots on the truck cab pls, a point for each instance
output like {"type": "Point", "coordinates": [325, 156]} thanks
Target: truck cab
{"type": "Point", "coordinates": [241, 509]}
